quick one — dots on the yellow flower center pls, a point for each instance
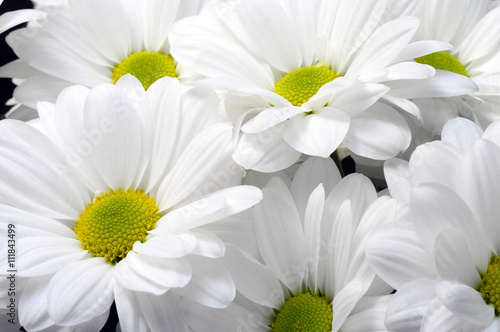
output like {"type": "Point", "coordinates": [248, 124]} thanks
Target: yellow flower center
{"type": "Point", "coordinates": [444, 61]}
{"type": "Point", "coordinates": [300, 85]}
{"type": "Point", "coordinates": [113, 222]}
{"type": "Point", "coordinates": [304, 312]}
{"type": "Point", "coordinates": [490, 284]}
{"type": "Point", "coordinates": [146, 66]}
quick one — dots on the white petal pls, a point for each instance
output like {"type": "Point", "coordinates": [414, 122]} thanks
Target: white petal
{"type": "Point", "coordinates": [32, 224]}
{"type": "Point", "coordinates": [439, 318]}
{"type": "Point", "coordinates": [482, 186]}
{"type": "Point", "coordinates": [317, 134]}
{"type": "Point", "coordinates": [270, 117]}
{"type": "Point", "coordinates": [391, 37]}
{"type": "Point", "coordinates": [312, 234]}
{"type": "Point", "coordinates": [13, 18]}
{"type": "Point", "coordinates": [339, 242]}
{"type": "Point", "coordinates": [354, 187]}
{"type": "Point", "coordinates": [255, 281]}
{"type": "Point", "coordinates": [378, 133]}
{"type": "Point", "coordinates": [398, 179]}
{"type": "Point", "coordinates": [213, 207]}
{"type": "Point", "coordinates": [465, 302]}
{"type": "Point", "coordinates": [46, 255]}
{"type": "Point", "coordinates": [113, 137]}
{"type": "Point", "coordinates": [216, 54]}
{"type": "Point", "coordinates": [461, 133]}
{"type": "Point", "coordinates": [272, 39]}
{"type": "Point", "coordinates": [421, 48]}
{"type": "Point", "coordinates": [281, 238]}
{"type": "Point", "coordinates": [199, 317]}
{"type": "Point", "coordinates": [81, 291]}
{"type": "Point", "coordinates": [93, 17]}
{"type": "Point", "coordinates": [152, 274]}
{"type": "Point", "coordinates": [34, 174]}
{"type": "Point", "coordinates": [33, 303]}
{"type": "Point", "coordinates": [344, 302]}
{"type": "Point", "coordinates": [443, 84]}
{"type": "Point", "coordinates": [492, 133]}
{"type": "Point", "coordinates": [409, 304]}
{"type": "Point", "coordinates": [207, 244]}
{"type": "Point", "coordinates": [395, 253]}
{"type": "Point", "coordinates": [194, 165]}
{"type": "Point", "coordinates": [454, 260]}
{"type": "Point", "coordinates": [311, 173]}
{"type": "Point", "coordinates": [266, 151]}
{"type": "Point", "coordinates": [167, 245]}
{"type": "Point", "coordinates": [126, 302]}
{"type": "Point", "coordinates": [162, 312]}
{"type": "Point", "coordinates": [211, 284]}
{"type": "Point", "coordinates": [435, 207]}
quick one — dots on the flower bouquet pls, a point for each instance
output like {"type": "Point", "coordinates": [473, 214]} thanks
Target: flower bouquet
{"type": "Point", "coordinates": [186, 165]}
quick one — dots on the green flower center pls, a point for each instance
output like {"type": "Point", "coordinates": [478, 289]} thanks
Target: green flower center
{"type": "Point", "coordinates": [490, 284]}
{"type": "Point", "coordinates": [113, 222]}
{"type": "Point", "coordinates": [148, 67]}
{"type": "Point", "coordinates": [444, 61]}
{"type": "Point", "coordinates": [300, 85]}
{"type": "Point", "coordinates": [305, 313]}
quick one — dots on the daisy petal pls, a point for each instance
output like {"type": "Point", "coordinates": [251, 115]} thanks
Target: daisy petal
{"type": "Point", "coordinates": [310, 174]}
{"type": "Point", "coordinates": [80, 291]}
{"type": "Point", "coordinates": [454, 260]}
{"type": "Point", "coordinates": [253, 280]}
{"type": "Point", "coordinates": [126, 302]}
{"type": "Point", "coordinates": [317, 134]}
{"type": "Point", "coordinates": [344, 302]}
{"type": "Point", "coordinates": [46, 255]}
{"type": "Point", "coordinates": [152, 274]}
{"type": "Point", "coordinates": [211, 284]}
{"type": "Point", "coordinates": [33, 303]}
{"type": "Point", "coordinates": [162, 311]}
{"type": "Point", "coordinates": [378, 133]}
{"type": "Point", "coordinates": [465, 302]}
{"type": "Point", "coordinates": [392, 37]}
{"type": "Point", "coordinates": [409, 304]}
{"type": "Point", "coordinates": [195, 164]}
{"type": "Point", "coordinates": [280, 237]}
{"type": "Point", "coordinates": [269, 118]}
{"type": "Point", "coordinates": [13, 18]}
{"type": "Point", "coordinates": [266, 151]}
{"type": "Point", "coordinates": [167, 245]}
{"type": "Point", "coordinates": [396, 254]}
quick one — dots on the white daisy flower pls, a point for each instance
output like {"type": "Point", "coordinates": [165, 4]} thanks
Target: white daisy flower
{"type": "Point", "coordinates": [92, 42]}
{"type": "Point", "coordinates": [308, 75]}
{"type": "Point", "coordinates": [110, 203]}
{"type": "Point", "coordinates": [313, 275]}
{"type": "Point", "coordinates": [472, 28]}
{"type": "Point", "coordinates": [443, 260]}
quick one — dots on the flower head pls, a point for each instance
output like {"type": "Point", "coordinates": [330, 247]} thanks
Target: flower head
{"type": "Point", "coordinates": [443, 258]}
{"type": "Point", "coordinates": [310, 274]}
{"type": "Point", "coordinates": [308, 77]}
{"type": "Point", "coordinates": [110, 199]}
{"type": "Point", "coordinates": [93, 42]}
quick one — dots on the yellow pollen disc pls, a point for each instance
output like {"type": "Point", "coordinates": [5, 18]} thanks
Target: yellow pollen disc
{"type": "Point", "coordinates": [304, 312]}
{"type": "Point", "coordinates": [148, 67]}
{"type": "Point", "coordinates": [113, 222]}
{"type": "Point", "coordinates": [444, 61]}
{"type": "Point", "coordinates": [490, 284]}
{"type": "Point", "coordinates": [300, 85]}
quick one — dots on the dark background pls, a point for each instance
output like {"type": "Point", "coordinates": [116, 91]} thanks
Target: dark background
{"type": "Point", "coordinates": [6, 54]}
